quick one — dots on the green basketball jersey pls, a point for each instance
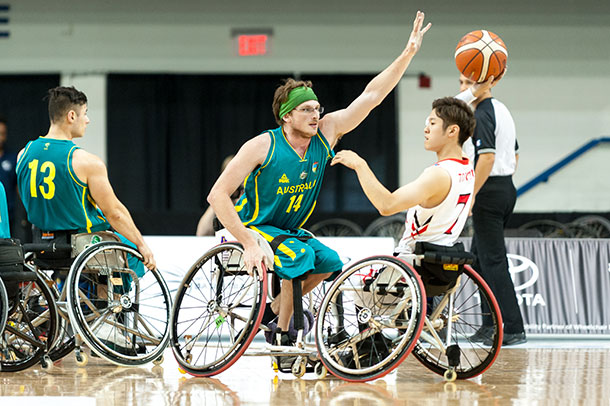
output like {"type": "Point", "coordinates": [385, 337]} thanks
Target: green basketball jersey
{"type": "Point", "coordinates": [282, 192]}
{"type": "Point", "coordinates": [53, 197]}
{"type": "Point", "coordinates": [5, 229]}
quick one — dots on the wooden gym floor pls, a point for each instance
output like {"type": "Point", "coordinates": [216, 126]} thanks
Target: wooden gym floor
{"type": "Point", "coordinates": [544, 372]}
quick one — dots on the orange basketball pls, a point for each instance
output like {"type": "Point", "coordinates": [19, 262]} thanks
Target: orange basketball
{"type": "Point", "coordinates": [481, 54]}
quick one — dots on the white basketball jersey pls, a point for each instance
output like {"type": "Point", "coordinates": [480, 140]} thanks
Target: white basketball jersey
{"type": "Point", "coordinates": [442, 224]}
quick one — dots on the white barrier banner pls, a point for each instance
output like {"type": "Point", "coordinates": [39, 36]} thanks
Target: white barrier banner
{"type": "Point", "coordinates": [175, 255]}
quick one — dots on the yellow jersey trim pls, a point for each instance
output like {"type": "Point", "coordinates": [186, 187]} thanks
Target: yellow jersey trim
{"type": "Point", "coordinates": [301, 159]}
{"type": "Point", "coordinates": [324, 142]}
{"type": "Point", "coordinates": [282, 247]}
{"type": "Point", "coordinates": [308, 214]}
{"type": "Point", "coordinates": [22, 157]}
{"type": "Point", "coordinates": [241, 206]}
{"type": "Point", "coordinates": [89, 224]}
{"type": "Point", "coordinates": [70, 169]}
{"type": "Point", "coordinates": [255, 215]}
{"type": "Point", "coordinates": [270, 156]}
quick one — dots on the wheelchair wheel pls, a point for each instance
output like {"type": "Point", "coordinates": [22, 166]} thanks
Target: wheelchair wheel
{"type": "Point", "coordinates": [119, 308]}
{"type": "Point", "coordinates": [465, 306]}
{"type": "Point", "coordinates": [370, 319]}
{"type": "Point", "coordinates": [3, 306]}
{"type": "Point", "coordinates": [217, 311]}
{"type": "Point", "coordinates": [30, 328]}
{"type": "Point", "coordinates": [336, 228]}
{"type": "Point", "coordinates": [64, 342]}
{"type": "Point", "coordinates": [392, 226]}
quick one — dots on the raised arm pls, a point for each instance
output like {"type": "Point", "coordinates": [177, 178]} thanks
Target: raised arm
{"type": "Point", "coordinates": [429, 189]}
{"type": "Point", "coordinates": [251, 155]}
{"type": "Point", "coordinates": [334, 125]}
{"type": "Point", "coordinates": [92, 171]}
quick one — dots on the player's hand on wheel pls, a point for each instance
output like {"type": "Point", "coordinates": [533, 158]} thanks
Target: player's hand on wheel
{"type": "Point", "coordinates": [254, 257]}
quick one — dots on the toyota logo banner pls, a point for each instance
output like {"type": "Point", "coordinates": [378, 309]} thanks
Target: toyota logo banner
{"type": "Point", "coordinates": [562, 285]}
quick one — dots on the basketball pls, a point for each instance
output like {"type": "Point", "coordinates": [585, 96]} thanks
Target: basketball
{"type": "Point", "coordinates": [481, 54]}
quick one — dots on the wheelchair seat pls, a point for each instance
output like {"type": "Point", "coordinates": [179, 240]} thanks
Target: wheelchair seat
{"type": "Point", "coordinates": [440, 266]}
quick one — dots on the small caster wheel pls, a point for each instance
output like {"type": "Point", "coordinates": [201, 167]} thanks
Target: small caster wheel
{"type": "Point", "coordinates": [275, 366]}
{"type": "Point", "coordinates": [159, 361]}
{"type": "Point", "coordinates": [189, 358]}
{"type": "Point", "coordinates": [450, 375]}
{"type": "Point", "coordinates": [46, 363]}
{"type": "Point", "coordinates": [320, 370]}
{"type": "Point", "coordinates": [299, 368]}
{"type": "Point", "coordinates": [182, 371]}
{"type": "Point", "coordinates": [82, 359]}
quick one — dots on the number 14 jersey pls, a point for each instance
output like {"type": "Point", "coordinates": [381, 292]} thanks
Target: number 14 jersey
{"type": "Point", "coordinates": [283, 191]}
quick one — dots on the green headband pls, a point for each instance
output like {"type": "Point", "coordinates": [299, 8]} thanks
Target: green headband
{"type": "Point", "coordinates": [297, 96]}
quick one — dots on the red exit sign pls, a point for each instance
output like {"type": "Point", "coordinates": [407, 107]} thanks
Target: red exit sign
{"type": "Point", "coordinates": [250, 42]}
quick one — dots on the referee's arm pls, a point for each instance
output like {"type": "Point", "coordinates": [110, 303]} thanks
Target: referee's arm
{"type": "Point", "coordinates": [482, 170]}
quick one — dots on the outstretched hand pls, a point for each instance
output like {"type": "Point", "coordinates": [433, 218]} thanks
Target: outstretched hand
{"type": "Point", "coordinates": [417, 34]}
{"type": "Point", "coordinates": [347, 158]}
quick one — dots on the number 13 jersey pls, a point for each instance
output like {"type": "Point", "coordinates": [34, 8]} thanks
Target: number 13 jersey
{"type": "Point", "coordinates": [53, 196]}
{"type": "Point", "coordinates": [282, 192]}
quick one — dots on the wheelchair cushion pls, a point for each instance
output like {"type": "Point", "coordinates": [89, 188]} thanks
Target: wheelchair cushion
{"type": "Point", "coordinates": [12, 271]}
{"type": "Point", "coordinates": [441, 265]}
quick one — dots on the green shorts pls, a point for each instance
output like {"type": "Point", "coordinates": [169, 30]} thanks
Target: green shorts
{"type": "Point", "coordinates": [295, 257]}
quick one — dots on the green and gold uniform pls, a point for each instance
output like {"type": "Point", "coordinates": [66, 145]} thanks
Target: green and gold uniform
{"type": "Point", "coordinates": [280, 195]}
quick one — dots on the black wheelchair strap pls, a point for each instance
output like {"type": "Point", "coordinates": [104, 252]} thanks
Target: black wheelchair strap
{"type": "Point", "coordinates": [438, 257]}
{"type": "Point", "coordinates": [283, 237]}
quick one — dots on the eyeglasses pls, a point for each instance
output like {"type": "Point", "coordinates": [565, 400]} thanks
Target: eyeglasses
{"type": "Point", "coordinates": [309, 110]}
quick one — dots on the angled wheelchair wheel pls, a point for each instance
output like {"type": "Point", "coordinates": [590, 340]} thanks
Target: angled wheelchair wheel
{"type": "Point", "coordinates": [30, 327]}
{"type": "Point", "coordinates": [336, 228]}
{"type": "Point", "coordinates": [64, 342]}
{"type": "Point", "coordinates": [119, 308]}
{"type": "Point", "coordinates": [464, 307]}
{"type": "Point", "coordinates": [370, 319]}
{"type": "Point", "coordinates": [3, 305]}
{"type": "Point", "coordinates": [392, 226]}
{"type": "Point", "coordinates": [217, 311]}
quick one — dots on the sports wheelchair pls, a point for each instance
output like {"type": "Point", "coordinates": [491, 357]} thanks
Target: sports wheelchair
{"type": "Point", "coordinates": [374, 334]}
{"type": "Point", "coordinates": [28, 315]}
{"type": "Point", "coordinates": [105, 297]}
{"type": "Point", "coordinates": [369, 320]}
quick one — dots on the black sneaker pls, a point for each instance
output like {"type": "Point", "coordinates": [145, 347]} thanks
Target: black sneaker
{"type": "Point", "coordinates": [283, 338]}
{"type": "Point", "coordinates": [484, 333]}
{"type": "Point", "coordinates": [510, 339]}
{"type": "Point", "coordinates": [284, 362]}
{"type": "Point", "coordinates": [268, 315]}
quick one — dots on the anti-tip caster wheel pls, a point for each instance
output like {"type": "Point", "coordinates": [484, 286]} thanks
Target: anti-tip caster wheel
{"type": "Point", "coordinates": [46, 363]}
{"type": "Point", "coordinates": [320, 370]}
{"type": "Point", "coordinates": [158, 361]}
{"type": "Point", "coordinates": [82, 359]}
{"type": "Point", "coordinates": [299, 367]}
{"type": "Point", "coordinates": [450, 375]}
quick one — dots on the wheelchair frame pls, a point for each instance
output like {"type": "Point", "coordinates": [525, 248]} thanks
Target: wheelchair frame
{"type": "Point", "coordinates": [103, 267]}
{"type": "Point", "coordinates": [409, 325]}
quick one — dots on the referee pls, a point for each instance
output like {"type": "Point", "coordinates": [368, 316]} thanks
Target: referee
{"type": "Point", "coordinates": [495, 150]}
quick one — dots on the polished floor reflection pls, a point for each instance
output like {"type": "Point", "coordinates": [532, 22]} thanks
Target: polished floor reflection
{"type": "Point", "coordinates": [550, 372]}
